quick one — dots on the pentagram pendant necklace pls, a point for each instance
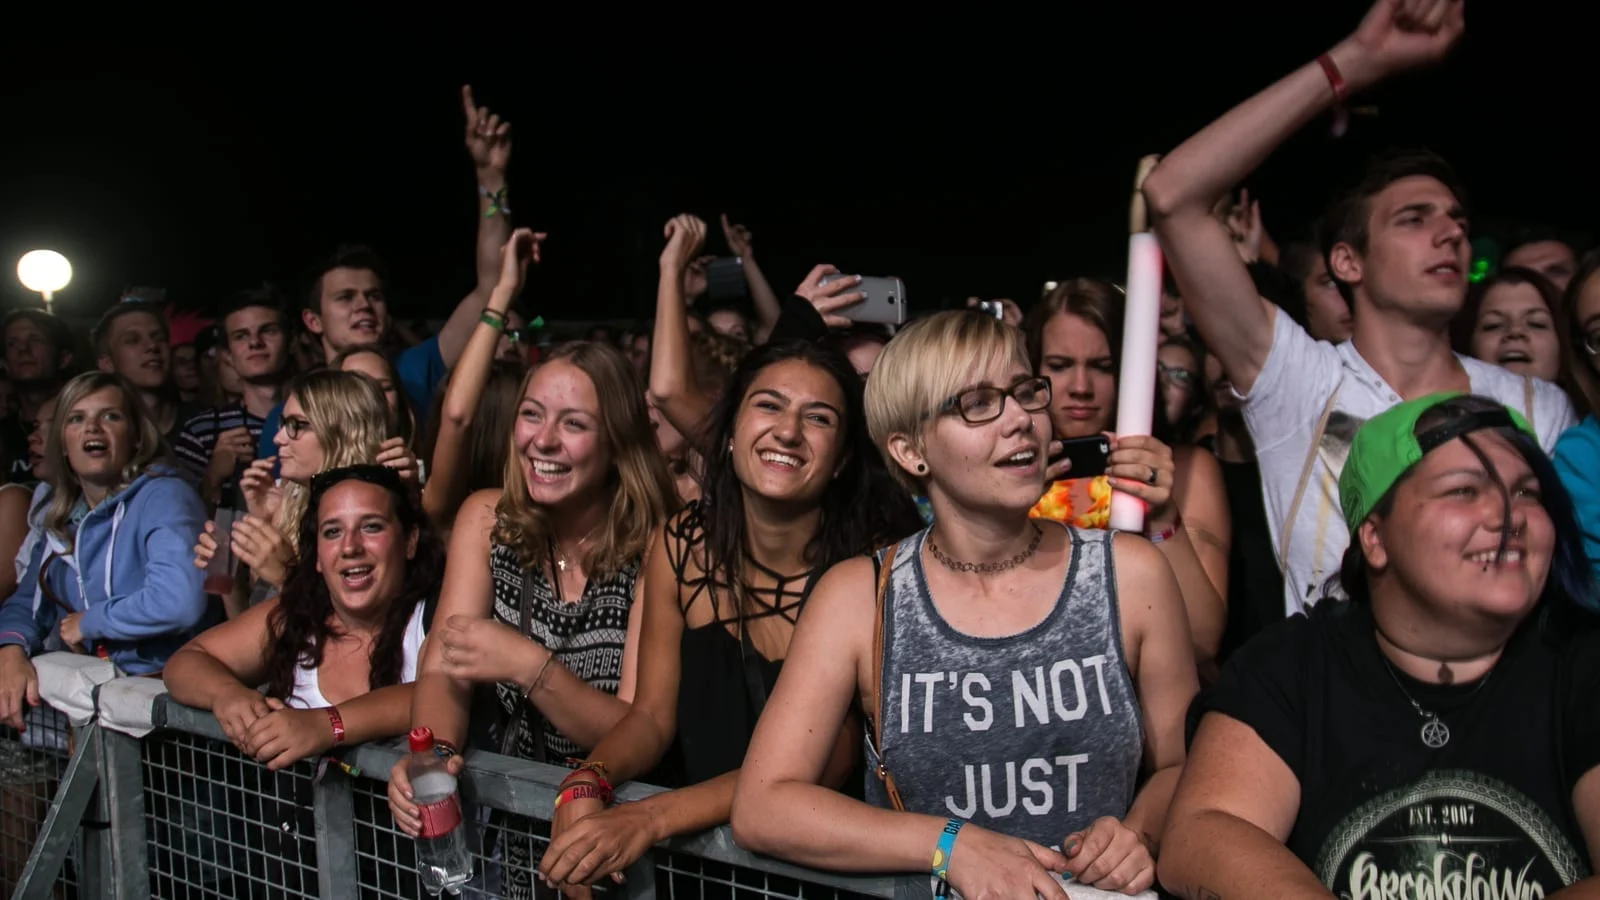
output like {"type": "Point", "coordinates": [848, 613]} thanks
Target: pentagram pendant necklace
{"type": "Point", "coordinates": [1435, 733]}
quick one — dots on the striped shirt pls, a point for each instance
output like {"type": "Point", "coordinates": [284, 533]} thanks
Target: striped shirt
{"type": "Point", "coordinates": [198, 437]}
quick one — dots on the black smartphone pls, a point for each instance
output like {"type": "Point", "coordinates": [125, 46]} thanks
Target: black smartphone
{"type": "Point", "coordinates": [1090, 455]}
{"type": "Point", "coordinates": [725, 279]}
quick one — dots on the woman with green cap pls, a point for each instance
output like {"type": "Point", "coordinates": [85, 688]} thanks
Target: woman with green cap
{"type": "Point", "coordinates": [1437, 734]}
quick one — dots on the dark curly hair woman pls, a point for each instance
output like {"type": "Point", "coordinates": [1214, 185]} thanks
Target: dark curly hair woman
{"type": "Point", "coordinates": [335, 654]}
{"type": "Point", "coordinates": [792, 485]}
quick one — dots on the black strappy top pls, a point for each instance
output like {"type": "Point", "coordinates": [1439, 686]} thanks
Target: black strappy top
{"type": "Point", "coordinates": [723, 679]}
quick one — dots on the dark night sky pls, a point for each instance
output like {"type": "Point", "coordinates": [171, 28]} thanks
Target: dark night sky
{"type": "Point", "coordinates": [982, 160]}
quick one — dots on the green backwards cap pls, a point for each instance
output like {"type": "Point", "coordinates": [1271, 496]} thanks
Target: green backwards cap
{"type": "Point", "coordinates": [1388, 445]}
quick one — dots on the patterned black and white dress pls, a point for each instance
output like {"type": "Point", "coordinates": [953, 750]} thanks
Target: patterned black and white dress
{"type": "Point", "coordinates": [587, 637]}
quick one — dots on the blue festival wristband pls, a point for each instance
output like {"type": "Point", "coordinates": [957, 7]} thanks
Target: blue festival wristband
{"type": "Point", "coordinates": [941, 854]}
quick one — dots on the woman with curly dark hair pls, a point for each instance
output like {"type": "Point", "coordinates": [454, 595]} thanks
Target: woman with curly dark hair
{"type": "Point", "coordinates": [792, 486]}
{"type": "Point", "coordinates": [337, 651]}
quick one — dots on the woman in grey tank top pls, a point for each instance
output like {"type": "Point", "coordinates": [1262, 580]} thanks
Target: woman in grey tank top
{"type": "Point", "coordinates": [1028, 681]}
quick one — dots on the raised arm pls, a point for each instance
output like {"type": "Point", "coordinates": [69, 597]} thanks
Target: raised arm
{"type": "Point", "coordinates": [488, 140]}
{"type": "Point", "coordinates": [448, 476]}
{"type": "Point", "coordinates": [762, 297]}
{"type": "Point", "coordinates": [672, 383]}
{"type": "Point", "coordinates": [1218, 293]}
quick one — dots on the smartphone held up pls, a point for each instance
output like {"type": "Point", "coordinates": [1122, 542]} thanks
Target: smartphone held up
{"type": "Point", "coordinates": [883, 302]}
{"type": "Point", "coordinates": [1090, 456]}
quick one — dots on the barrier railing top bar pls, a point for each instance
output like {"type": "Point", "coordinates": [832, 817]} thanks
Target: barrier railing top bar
{"type": "Point", "coordinates": [529, 788]}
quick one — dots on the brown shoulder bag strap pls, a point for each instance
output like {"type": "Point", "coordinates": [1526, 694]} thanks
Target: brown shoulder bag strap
{"type": "Point", "coordinates": [875, 714]}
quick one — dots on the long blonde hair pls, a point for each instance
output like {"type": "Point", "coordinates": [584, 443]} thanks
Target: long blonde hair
{"type": "Point", "coordinates": [644, 492]}
{"type": "Point", "coordinates": [65, 488]}
{"type": "Point", "coordinates": [350, 417]}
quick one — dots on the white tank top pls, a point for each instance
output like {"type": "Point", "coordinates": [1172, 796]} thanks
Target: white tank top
{"type": "Point", "coordinates": [307, 692]}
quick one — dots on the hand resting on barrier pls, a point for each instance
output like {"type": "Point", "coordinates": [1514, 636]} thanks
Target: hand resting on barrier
{"type": "Point", "coordinates": [599, 840]}
{"type": "Point", "coordinates": [286, 735]}
{"type": "Point", "coordinates": [19, 686]}
{"type": "Point", "coordinates": [237, 710]}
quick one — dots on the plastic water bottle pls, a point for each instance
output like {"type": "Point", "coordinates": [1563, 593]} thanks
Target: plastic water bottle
{"type": "Point", "coordinates": [443, 862]}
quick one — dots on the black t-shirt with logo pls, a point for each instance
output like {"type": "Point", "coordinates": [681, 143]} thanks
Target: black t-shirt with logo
{"type": "Point", "coordinates": [1384, 815]}
{"type": "Point", "coordinates": [14, 437]}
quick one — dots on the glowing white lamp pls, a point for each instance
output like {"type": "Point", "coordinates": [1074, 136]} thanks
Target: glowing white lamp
{"type": "Point", "coordinates": [44, 271]}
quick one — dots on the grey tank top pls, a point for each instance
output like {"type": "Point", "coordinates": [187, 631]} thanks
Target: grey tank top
{"type": "Point", "coordinates": [1034, 735]}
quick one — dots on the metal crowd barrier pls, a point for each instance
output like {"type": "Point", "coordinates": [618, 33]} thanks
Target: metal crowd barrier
{"type": "Point", "coordinates": [153, 801]}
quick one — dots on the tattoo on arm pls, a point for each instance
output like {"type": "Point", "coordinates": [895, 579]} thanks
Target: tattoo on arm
{"type": "Point", "coordinates": [1200, 534]}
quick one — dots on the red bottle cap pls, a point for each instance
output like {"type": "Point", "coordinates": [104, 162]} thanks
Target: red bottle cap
{"type": "Point", "coordinates": [421, 739]}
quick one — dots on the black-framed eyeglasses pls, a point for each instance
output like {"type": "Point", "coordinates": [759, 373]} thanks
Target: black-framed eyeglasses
{"type": "Point", "coordinates": [294, 426]}
{"type": "Point", "coordinates": [1184, 378]}
{"type": "Point", "coordinates": [983, 404]}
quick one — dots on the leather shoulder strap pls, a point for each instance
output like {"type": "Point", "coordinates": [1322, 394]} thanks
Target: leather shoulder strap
{"type": "Point", "coordinates": [875, 713]}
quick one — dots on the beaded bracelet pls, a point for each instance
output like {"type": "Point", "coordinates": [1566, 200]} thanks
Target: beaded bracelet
{"type": "Point", "coordinates": [599, 781]}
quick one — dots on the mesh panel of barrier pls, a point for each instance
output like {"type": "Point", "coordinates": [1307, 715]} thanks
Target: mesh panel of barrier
{"type": "Point", "coordinates": [31, 765]}
{"type": "Point", "coordinates": [220, 825]}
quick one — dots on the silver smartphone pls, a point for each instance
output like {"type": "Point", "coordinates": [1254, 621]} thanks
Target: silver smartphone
{"type": "Point", "coordinates": [885, 302]}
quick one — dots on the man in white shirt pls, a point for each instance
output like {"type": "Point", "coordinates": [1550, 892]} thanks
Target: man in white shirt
{"type": "Point", "coordinates": [1396, 245]}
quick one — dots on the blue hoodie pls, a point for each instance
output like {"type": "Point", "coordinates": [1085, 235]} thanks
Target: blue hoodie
{"type": "Point", "coordinates": [131, 574]}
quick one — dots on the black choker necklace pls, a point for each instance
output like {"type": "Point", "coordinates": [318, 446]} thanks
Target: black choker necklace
{"type": "Point", "coordinates": [1004, 565]}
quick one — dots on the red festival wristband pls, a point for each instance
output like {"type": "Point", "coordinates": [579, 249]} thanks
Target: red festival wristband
{"type": "Point", "coordinates": [336, 722]}
{"type": "Point", "coordinates": [1341, 90]}
{"type": "Point", "coordinates": [584, 791]}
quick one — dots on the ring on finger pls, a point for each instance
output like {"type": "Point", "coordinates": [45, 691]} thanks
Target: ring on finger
{"type": "Point", "coordinates": [1152, 477]}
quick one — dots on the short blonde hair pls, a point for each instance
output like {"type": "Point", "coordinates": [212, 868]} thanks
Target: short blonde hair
{"type": "Point", "coordinates": [926, 364]}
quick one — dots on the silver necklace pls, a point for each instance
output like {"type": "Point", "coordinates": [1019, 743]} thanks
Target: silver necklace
{"type": "Point", "coordinates": [1435, 733]}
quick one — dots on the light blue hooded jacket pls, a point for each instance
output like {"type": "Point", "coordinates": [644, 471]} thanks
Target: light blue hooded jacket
{"type": "Point", "coordinates": [131, 573]}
